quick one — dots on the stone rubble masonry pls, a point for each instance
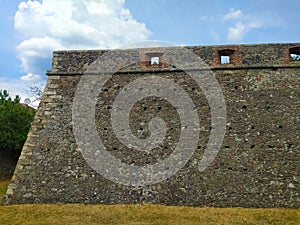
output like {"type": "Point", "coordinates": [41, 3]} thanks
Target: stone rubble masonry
{"type": "Point", "coordinates": [257, 165]}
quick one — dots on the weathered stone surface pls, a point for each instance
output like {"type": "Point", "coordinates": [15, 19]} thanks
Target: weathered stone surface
{"type": "Point", "coordinates": [257, 165]}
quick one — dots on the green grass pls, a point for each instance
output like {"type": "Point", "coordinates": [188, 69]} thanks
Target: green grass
{"type": "Point", "coordinates": [141, 214]}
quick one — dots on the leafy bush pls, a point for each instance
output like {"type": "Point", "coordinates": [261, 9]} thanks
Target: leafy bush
{"type": "Point", "coordinates": [15, 122]}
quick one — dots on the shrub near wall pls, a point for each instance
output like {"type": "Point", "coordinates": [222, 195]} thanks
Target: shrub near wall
{"type": "Point", "coordinates": [15, 122]}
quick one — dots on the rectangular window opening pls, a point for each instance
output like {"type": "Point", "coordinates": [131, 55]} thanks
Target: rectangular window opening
{"type": "Point", "coordinates": [155, 60]}
{"type": "Point", "coordinates": [225, 59]}
{"type": "Point", "coordinates": [295, 57]}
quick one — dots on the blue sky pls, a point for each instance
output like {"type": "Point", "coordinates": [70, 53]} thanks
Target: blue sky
{"type": "Point", "coordinates": [31, 30]}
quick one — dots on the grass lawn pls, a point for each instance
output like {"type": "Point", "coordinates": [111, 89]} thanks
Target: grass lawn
{"type": "Point", "coordinates": [140, 214]}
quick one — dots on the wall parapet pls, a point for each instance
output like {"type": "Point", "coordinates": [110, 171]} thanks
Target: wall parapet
{"type": "Point", "coordinates": [242, 56]}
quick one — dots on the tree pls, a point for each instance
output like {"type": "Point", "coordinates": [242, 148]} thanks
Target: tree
{"type": "Point", "coordinates": [36, 91]}
{"type": "Point", "coordinates": [15, 122]}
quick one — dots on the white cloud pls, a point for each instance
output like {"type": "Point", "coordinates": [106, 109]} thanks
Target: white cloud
{"type": "Point", "coordinates": [18, 87]}
{"type": "Point", "coordinates": [243, 24]}
{"type": "Point", "coordinates": [233, 14]}
{"type": "Point", "coordinates": [100, 7]}
{"type": "Point", "coordinates": [30, 77]}
{"type": "Point", "coordinates": [237, 32]}
{"type": "Point", "coordinates": [254, 24]}
{"type": "Point", "coordinates": [35, 55]}
{"type": "Point", "coordinates": [72, 24]}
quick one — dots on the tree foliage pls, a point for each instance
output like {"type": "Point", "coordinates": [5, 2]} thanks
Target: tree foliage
{"type": "Point", "coordinates": [15, 122]}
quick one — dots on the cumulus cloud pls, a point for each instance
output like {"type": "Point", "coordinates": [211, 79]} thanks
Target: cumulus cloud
{"type": "Point", "coordinates": [30, 77]}
{"type": "Point", "coordinates": [237, 32]}
{"type": "Point", "coordinates": [35, 55]}
{"type": "Point", "coordinates": [48, 25]}
{"type": "Point", "coordinates": [233, 14]}
{"type": "Point", "coordinates": [242, 25]}
{"type": "Point", "coordinates": [18, 87]}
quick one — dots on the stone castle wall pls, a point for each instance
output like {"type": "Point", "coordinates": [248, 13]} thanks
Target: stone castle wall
{"type": "Point", "coordinates": [256, 166]}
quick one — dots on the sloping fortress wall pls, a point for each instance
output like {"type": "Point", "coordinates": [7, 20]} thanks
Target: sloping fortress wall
{"type": "Point", "coordinates": [257, 164]}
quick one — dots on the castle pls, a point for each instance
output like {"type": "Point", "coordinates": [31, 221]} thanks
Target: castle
{"type": "Point", "coordinates": [242, 148]}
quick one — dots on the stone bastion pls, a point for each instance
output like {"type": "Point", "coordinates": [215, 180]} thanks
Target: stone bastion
{"type": "Point", "coordinates": [257, 162]}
